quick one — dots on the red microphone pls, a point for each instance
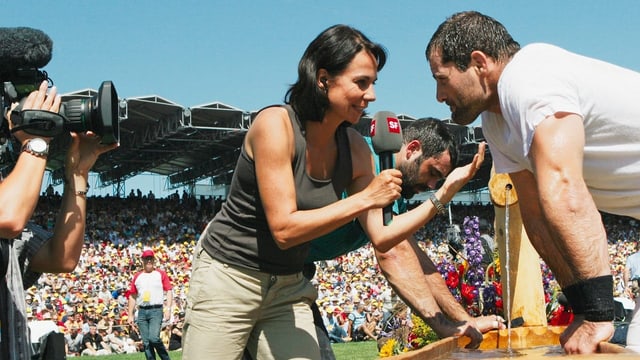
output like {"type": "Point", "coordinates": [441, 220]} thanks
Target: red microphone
{"type": "Point", "coordinates": [386, 138]}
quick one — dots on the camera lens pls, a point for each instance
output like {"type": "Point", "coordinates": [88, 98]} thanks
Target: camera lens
{"type": "Point", "coordinates": [78, 112]}
{"type": "Point", "coordinates": [98, 114]}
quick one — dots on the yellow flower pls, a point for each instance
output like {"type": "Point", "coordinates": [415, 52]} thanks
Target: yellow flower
{"type": "Point", "coordinates": [388, 348]}
{"type": "Point", "coordinates": [425, 334]}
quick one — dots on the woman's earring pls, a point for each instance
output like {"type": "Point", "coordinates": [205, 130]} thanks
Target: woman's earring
{"type": "Point", "coordinates": [324, 86]}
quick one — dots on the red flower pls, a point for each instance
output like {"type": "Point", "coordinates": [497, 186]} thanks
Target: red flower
{"type": "Point", "coordinates": [413, 340]}
{"type": "Point", "coordinates": [561, 316]}
{"type": "Point", "coordinates": [499, 303]}
{"type": "Point", "coordinates": [452, 280]}
{"type": "Point", "coordinates": [467, 293]}
{"type": "Point", "coordinates": [498, 286]}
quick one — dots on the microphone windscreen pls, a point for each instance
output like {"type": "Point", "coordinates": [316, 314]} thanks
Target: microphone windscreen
{"type": "Point", "coordinates": [385, 132]}
{"type": "Point", "coordinates": [23, 47]}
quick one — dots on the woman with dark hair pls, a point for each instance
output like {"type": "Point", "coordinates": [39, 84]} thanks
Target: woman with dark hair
{"type": "Point", "coordinates": [247, 287]}
{"type": "Point", "coordinates": [327, 57]}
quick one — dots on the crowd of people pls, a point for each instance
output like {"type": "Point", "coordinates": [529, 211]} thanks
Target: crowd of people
{"type": "Point", "coordinates": [562, 126]}
{"type": "Point", "coordinates": [91, 302]}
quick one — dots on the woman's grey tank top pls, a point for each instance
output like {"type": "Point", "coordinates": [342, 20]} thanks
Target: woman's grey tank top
{"type": "Point", "coordinates": [239, 234]}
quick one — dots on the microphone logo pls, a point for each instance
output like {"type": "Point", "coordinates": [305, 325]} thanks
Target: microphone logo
{"type": "Point", "coordinates": [393, 125]}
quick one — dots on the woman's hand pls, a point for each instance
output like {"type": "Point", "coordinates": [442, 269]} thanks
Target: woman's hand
{"type": "Point", "coordinates": [384, 188]}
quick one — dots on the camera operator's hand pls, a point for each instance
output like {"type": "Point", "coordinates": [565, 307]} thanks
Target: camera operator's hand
{"type": "Point", "coordinates": [37, 100]}
{"type": "Point", "coordinates": [62, 252]}
{"type": "Point", "coordinates": [82, 154]}
{"type": "Point", "coordinates": [20, 190]}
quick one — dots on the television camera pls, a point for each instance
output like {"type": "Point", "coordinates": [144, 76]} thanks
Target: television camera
{"type": "Point", "coordinates": [23, 51]}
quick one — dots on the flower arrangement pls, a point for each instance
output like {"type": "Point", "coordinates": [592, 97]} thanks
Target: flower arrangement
{"type": "Point", "coordinates": [476, 287]}
{"type": "Point", "coordinates": [405, 340]}
{"type": "Point", "coordinates": [390, 348]}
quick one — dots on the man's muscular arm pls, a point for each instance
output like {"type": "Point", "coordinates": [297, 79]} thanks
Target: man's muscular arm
{"type": "Point", "coordinates": [406, 275]}
{"type": "Point", "coordinates": [575, 228]}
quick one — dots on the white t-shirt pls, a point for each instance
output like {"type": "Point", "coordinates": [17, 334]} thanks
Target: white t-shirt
{"type": "Point", "coordinates": [541, 80]}
{"type": "Point", "coordinates": [633, 264]}
{"type": "Point", "coordinates": [38, 328]}
{"type": "Point", "coordinates": [150, 287]}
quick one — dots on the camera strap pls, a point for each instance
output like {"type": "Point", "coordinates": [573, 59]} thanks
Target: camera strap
{"type": "Point", "coordinates": [4, 258]}
{"type": "Point", "coordinates": [38, 122]}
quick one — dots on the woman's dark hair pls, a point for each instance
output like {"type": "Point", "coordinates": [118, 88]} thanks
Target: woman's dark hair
{"type": "Point", "coordinates": [434, 137]}
{"type": "Point", "coordinates": [332, 50]}
{"type": "Point", "coordinates": [464, 32]}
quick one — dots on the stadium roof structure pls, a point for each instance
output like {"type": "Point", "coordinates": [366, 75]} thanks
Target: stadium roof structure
{"type": "Point", "coordinates": [190, 144]}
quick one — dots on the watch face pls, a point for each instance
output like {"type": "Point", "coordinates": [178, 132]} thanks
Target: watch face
{"type": "Point", "coordinates": [38, 145]}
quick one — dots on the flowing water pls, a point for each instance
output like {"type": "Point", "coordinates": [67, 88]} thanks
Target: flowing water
{"type": "Point", "coordinates": [507, 267]}
{"type": "Point", "coordinates": [440, 350]}
{"type": "Point", "coordinates": [530, 353]}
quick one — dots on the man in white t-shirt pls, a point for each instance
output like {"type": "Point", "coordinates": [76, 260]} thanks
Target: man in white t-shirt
{"type": "Point", "coordinates": [148, 291]}
{"type": "Point", "coordinates": [41, 328]}
{"type": "Point", "coordinates": [567, 130]}
{"type": "Point", "coordinates": [632, 289]}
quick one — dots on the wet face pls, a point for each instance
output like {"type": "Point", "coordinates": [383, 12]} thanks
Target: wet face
{"type": "Point", "coordinates": [419, 175]}
{"type": "Point", "coordinates": [461, 91]}
{"type": "Point", "coordinates": [351, 91]}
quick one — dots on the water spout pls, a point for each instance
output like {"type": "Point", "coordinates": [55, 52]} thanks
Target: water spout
{"type": "Point", "coordinates": [507, 190]}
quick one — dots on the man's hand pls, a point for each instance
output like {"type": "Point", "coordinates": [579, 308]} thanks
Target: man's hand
{"type": "Point", "coordinates": [36, 100]}
{"type": "Point", "coordinates": [488, 323]}
{"type": "Point", "coordinates": [447, 328]}
{"type": "Point", "coordinates": [583, 337]}
{"type": "Point", "coordinates": [460, 176]}
{"type": "Point", "coordinates": [467, 329]}
{"type": "Point", "coordinates": [83, 152]}
{"type": "Point", "coordinates": [131, 321]}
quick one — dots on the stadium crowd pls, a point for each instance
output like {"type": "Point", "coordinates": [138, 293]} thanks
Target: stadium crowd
{"type": "Point", "coordinates": [93, 299]}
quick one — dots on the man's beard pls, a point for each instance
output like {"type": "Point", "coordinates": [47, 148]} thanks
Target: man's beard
{"type": "Point", "coordinates": [467, 109]}
{"type": "Point", "coordinates": [465, 115]}
{"type": "Point", "coordinates": [410, 178]}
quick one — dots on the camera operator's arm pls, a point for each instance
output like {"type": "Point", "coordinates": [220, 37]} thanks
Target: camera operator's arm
{"type": "Point", "coordinates": [62, 252]}
{"type": "Point", "coordinates": [20, 190]}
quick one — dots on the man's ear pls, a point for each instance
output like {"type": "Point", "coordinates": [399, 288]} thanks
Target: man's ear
{"type": "Point", "coordinates": [413, 147]}
{"type": "Point", "coordinates": [479, 61]}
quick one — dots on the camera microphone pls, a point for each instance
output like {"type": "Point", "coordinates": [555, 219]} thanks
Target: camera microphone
{"type": "Point", "coordinates": [23, 47]}
{"type": "Point", "coordinates": [23, 51]}
{"type": "Point", "coordinates": [386, 138]}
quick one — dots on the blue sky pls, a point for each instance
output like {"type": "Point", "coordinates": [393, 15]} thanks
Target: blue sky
{"type": "Point", "coordinates": [245, 53]}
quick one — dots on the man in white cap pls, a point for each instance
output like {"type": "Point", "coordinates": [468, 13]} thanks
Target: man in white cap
{"type": "Point", "coordinates": [148, 290]}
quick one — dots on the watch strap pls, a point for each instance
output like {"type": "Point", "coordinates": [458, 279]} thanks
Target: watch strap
{"type": "Point", "coordinates": [29, 149]}
{"type": "Point", "coordinates": [439, 207]}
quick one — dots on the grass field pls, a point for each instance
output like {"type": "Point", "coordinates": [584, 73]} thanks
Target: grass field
{"type": "Point", "coordinates": [365, 350]}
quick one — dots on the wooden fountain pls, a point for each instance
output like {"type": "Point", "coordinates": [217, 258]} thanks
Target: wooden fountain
{"type": "Point", "coordinates": [534, 339]}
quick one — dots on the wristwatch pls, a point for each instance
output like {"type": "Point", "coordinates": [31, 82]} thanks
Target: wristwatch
{"type": "Point", "coordinates": [37, 147]}
{"type": "Point", "coordinates": [440, 209]}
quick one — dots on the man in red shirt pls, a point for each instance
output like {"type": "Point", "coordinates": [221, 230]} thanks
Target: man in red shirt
{"type": "Point", "coordinates": [148, 291]}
